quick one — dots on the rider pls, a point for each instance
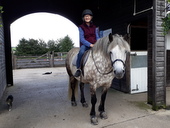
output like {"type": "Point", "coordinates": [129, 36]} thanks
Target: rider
{"type": "Point", "coordinates": [88, 36]}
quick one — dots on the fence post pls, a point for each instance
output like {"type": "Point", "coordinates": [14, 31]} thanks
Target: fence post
{"type": "Point", "coordinates": [52, 59]}
{"type": "Point", "coordinates": [61, 54]}
{"type": "Point", "coordinates": [14, 59]}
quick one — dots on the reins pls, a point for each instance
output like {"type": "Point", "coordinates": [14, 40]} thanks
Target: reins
{"type": "Point", "coordinates": [111, 70]}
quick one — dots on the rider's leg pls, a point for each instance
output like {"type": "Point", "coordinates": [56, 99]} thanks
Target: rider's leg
{"type": "Point", "coordinates": [83, 48]}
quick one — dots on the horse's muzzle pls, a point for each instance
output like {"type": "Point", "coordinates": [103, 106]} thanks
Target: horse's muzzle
{"type": "Point", "coordinates": [119, 68]}
{"type": "Point", "coordinates": [119, 73]}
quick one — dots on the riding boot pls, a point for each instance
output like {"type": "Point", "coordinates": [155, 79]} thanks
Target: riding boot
{"type": "Point", "coordinates": [78, 73]}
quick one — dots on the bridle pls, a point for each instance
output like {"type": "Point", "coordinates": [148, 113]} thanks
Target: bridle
{"type": "Point", "coordinates": [103, 73]}
{"type": "Point", "coordinates": [111, 70]}
{"type": "Point", "coordinates": [118, 60]}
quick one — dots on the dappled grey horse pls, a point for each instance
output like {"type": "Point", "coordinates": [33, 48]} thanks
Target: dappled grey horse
{"type": "Point", "coordinates": [105, 61]}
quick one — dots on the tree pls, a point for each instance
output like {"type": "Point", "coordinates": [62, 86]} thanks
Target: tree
{"type": "Point", "coordinates": [21, 48]}
{"type": "Point", "coordinates": [52, 45]}
{"type": "Point", "coordinates": [43, 46]}
{"type": "Point", "coordinates": [30, 47]}
{"type": "Point", "coordinates": [33, 47]}
{"type": "Point", "coordinates": [39, 47]}
{"type": "Point", "coordinates": [65, 44]}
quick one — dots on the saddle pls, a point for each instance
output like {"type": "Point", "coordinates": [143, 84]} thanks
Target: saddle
{"type": "Point", "coordinates": [83, 60]}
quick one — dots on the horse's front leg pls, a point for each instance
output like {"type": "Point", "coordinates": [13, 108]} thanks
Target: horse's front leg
{"type": "Point", "coordinates": [103, 114]}
{"type": "Point", "coordinates": [83, 101]}
{"type": "Point", "coordinates": [94, 119]}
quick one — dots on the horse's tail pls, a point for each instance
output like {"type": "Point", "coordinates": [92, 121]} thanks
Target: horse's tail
{"type": "Point", "coordinates": [72, 87]}
{"type": "Point", "coordinates": [73, 83]}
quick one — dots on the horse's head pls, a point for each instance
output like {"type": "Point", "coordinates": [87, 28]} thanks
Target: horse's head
{"type": "Point", "coordinates": [118, 49]}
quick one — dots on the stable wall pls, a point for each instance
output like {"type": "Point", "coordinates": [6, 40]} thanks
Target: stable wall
{"type": "Point", "coordinates": [2, 62]}
{"type": "Point", "coordinates": [127, 21]}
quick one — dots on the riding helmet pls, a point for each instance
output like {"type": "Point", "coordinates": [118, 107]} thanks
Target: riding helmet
{"type": "Point", "coordinates": [87, 12]}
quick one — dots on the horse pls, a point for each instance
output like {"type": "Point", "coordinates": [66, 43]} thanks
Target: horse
{"type": "Point", "coordinates": [105, 61]}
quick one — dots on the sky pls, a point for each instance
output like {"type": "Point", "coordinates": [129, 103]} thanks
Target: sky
{"type": "Point", "coordinates": [45, 26]}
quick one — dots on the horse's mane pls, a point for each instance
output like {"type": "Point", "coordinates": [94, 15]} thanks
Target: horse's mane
{"type": "Point", "coordinates": [103, 44]}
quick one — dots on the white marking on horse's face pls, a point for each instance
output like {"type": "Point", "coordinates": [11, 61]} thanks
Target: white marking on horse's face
{"type": "Point", "coordinates": [118, 57]}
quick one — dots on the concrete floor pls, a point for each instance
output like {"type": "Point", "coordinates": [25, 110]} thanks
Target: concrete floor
{"type": "Point", "coordinates": [41, 101]}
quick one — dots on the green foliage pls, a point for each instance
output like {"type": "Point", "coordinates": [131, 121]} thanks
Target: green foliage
{"type": "Point", "coordinates": [52, 45]}
{"type": "Point", "coordinates": [65, 44]}
{"type": "Point", "coordinates": [43, 46]}
{"type": "Point", "coordinates": [1, 11]}
{"type": "Point", "coordinates": [166, 24]}
{"type": "Point", "coordinates": [39, 47]}
{"type": "Point", "coordinates": [29, 47]}
{"type": "Point", "coordinates": [158, 107]}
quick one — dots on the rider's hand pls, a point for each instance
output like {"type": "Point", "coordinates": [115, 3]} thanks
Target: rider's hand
{"type": "Point", "coordinates": [91, 45]}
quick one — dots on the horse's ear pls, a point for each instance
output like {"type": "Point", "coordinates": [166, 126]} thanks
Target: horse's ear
{"type": "Point", "coordinates": [126, 37]}
{"type": "Point", "coordinates": [110, 37]}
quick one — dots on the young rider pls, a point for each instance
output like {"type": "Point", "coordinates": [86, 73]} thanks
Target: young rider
{"type": "Point", "coordinates": [88, 36]}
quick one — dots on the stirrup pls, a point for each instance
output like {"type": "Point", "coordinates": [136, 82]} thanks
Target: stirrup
{"type": "Point", "coordinates": [78, 73]}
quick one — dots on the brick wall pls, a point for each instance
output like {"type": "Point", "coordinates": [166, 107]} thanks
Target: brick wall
{"type": "Point", "coordinates": [2, 62]}
{"type": "Point", "coordinates": [157, 59]}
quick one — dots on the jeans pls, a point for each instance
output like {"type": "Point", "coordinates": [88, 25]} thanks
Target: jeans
{"type": "Point", "coordinates": [83, 48]}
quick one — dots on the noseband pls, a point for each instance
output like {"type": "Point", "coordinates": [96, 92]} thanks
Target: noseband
{"type": "Point", "coordinates": [118, 60]}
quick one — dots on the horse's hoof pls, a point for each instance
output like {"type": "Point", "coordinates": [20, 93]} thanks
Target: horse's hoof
{"type": "Point", "coordinates": [73, 103]}
{"type": "Point", "coordinates": [85, 104]}
{"type": "Point", "coordinates": [94, 120]}
{"type": "Point", "coordinates": [103, 115]}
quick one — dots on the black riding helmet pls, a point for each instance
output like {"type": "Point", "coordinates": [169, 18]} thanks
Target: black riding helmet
{"type": "Point", "coordinates": [87, 12]}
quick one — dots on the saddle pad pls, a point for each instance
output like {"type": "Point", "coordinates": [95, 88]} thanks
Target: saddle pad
{"type": "Point", "coordinates": [84, 59]}
{"type": "Point", "coordinates": [75, 60]}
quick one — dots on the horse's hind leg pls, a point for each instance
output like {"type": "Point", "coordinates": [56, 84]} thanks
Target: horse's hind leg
{"type": "Point", "coordinates": [103, 114]}
{"type": "Point", "coordinates": [83, 101]}
{"type": "Point", "coordinates": [73, 84]}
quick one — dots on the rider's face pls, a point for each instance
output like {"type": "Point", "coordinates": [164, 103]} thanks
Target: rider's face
{"type": "Point", "coordinates": [87, 18]}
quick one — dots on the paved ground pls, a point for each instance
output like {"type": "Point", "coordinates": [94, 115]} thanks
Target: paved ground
{"type": "Point", "coordinates": [40, 101]}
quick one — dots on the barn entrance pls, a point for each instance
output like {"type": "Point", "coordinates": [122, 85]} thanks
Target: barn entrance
{"type": "Point", "coordinates": [125, 10]}
{"type": "Point", "coordinates": [36, 39]}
